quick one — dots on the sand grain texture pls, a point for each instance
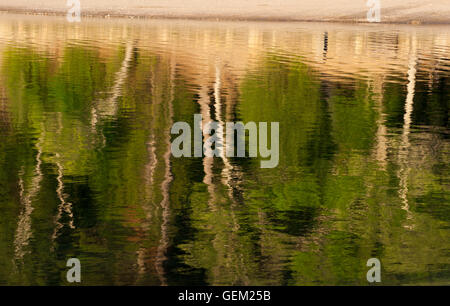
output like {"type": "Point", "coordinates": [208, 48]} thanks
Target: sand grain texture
{"type": "Point", "coordinates": [392, 11]}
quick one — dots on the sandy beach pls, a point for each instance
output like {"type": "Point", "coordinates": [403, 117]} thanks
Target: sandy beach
{"type": "Point", "coordinates": [393, 11]}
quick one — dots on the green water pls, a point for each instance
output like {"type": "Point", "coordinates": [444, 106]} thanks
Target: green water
{"type": "Point", "coordinates": [86, 171]}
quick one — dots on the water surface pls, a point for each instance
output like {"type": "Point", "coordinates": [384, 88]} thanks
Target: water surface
{"type": "Point", "coordinates": [86, 170]}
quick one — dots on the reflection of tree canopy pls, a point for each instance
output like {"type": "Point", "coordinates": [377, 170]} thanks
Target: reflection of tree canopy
{"type": "Point", "coordinates": [85, 173]}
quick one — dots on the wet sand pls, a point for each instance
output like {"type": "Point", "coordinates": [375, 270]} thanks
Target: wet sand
{"type": "Point", "coordinates": [392, 11]}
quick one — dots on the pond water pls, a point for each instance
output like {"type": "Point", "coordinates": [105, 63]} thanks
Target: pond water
{"type": "Point", "coordinates": [86, 169]}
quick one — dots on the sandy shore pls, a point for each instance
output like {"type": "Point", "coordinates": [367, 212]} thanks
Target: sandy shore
{"type": "Point", "coordinates": [392, 11]}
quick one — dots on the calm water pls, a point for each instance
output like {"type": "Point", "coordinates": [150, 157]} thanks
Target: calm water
{"type": "Point", "coordinates": [86, 171]}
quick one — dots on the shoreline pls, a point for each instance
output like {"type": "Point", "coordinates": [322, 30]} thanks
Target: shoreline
{"type": "Point", "coordinates": [396, 12]}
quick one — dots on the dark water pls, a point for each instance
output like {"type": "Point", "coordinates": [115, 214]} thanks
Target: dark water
{"type": "Point", "coordinates": [86, 171]}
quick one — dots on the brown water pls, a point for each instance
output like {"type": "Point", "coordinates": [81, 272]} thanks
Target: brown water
{"type": "Point", "coordinates": [86, 170]}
